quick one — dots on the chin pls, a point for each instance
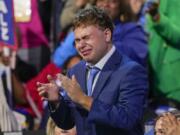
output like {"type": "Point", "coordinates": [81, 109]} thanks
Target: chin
{"type": "Point", "coordinates": [88, 60]}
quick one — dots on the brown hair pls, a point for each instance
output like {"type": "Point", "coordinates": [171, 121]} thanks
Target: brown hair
{"type": "Point", "coordinates": [126, 12]}
{"type": "Point", "coordinates": [93, 16]}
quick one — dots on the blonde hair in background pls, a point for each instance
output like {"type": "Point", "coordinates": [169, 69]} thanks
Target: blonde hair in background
{"type": "Point", "coordinates": [50, 128]}
{"type": "Point", "coordinates": [53, 129]}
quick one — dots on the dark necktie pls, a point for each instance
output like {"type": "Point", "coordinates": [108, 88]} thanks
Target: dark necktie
{"type": "Point", "coordinates": [92, 73]}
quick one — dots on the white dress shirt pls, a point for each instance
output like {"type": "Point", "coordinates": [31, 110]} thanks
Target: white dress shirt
{"type": "Point", "coordinates": [100, 64]}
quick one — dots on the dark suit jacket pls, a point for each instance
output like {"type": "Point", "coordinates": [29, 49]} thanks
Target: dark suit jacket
{"type": "Point", "coordinates": [118, 100]}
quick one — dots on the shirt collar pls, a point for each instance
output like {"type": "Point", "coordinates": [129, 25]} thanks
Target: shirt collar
{"type": "Point", "coordinates": [100, 64]}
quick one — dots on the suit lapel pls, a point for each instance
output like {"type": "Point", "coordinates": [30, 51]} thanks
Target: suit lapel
{"type": "Point", "coordinates": [106, 72]}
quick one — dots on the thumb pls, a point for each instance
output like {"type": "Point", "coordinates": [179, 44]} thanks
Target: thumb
{"type": "Point", "coordinates": [74, 79]}
{"type": "Point", "coordinates": [50, 79]}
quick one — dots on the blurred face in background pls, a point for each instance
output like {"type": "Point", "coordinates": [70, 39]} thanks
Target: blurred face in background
{"type": "Point", "coordinates": [5, 56]}
{"type": "Point", "coordinates": [136, 5]}
{"type": "Point", "coordinates": [112, 7]}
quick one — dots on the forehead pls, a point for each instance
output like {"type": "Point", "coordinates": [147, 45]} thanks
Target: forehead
{"type": "Point", "coordinates": [86, 30]}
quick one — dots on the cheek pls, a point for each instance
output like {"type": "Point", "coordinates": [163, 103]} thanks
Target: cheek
{"type": "Point", "coordinates": [100, 50]}
{"type": "Point", "coordinates": [77, 48]}
{"type": "Point", "coordinates": [158, 124]}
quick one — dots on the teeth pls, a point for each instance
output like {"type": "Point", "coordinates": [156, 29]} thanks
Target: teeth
{"type": "Point", "coordinates": [58, 82]}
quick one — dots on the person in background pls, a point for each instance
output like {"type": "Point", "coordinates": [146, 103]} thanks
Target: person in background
{"type": "Point", "coordinates": [164, 52]}
{"type": "Point", "coordinates": [17, 92]}
{"type": "Point", "coordinates": [136, 5]}
{"type": "Point", "coordinates": [168, 124]}
{"type": "Point", "coordinates": [12, 94]}
{"type": "Point", "coordinates": [112, 103]}
{"type": "Point", "coordinates": [52, 129]}
{"type": "Point", "coordinates": [71, 7]}
{"type": "Point", "coordinates": [129, 37]}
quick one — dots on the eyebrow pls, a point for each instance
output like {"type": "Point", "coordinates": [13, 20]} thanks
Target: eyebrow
{"type": "Point", "coordinates": [84, 37]}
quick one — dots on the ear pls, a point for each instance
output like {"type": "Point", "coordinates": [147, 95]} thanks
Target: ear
{"type": "Point", "coordinates": [108, 35]}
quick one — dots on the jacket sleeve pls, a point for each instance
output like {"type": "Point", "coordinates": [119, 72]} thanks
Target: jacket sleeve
{"type": "Point", "coordinates": [127, 111]}
{"type": "Point", "coordinates": [62, 115]}
{"type": "Point", "coordinates": [168, 30]}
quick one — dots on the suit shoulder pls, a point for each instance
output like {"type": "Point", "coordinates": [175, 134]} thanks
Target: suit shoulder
{"type": "Point", "coordinates": [82, 63]}
{"type": "Point", "coordinates": [127, 65]}
{"type": "Point", "coordinates": [77, 66]}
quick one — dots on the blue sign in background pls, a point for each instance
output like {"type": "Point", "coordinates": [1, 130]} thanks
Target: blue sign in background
{"type": "Point", "coordinates": [9, 19]}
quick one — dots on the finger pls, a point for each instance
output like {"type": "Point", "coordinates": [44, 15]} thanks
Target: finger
{"type": "Point", "coordinates": [178, 122]}
{"type": "Point", "coordinates": [39, 84]}
{"type": "Point", "coordinates": [172, 118]}
{"type": "Point", "coordinates": [59, 76]}
{"type": "Point", "coordinates": [67, 84]}
{"type": "Point", "coordinates": [74, 79]}
{"type": "Point", "coordinates": [50, 79]}
{"type": "Point", "coordinates": [43, 94]}
{"type": "Point", "coordinates": [44, 99]}
{"type": "Point", "coordinates": [165, 119]}
{"type": "Point", "coordinates": [41, 87]}
{"type": "Point", "coordinates": [65, 80]}
{"type": "Point", "coordinates": [60, 80]}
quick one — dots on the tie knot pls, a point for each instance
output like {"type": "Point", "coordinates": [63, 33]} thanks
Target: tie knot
{"type": "Point", "coordinates": [92, 73]}
{"type": "Point", "coordinates": [94, 70]}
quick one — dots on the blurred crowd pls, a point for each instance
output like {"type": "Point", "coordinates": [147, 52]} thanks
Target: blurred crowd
{"type": "Point", "coordinates": [147, 31]}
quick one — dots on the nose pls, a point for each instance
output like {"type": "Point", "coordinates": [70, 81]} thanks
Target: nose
{"type": "Point", "coordinates": [80, 44]}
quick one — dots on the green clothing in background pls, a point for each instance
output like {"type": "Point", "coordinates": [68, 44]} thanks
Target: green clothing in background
{"type": "Point", "coordinates": [164, 51]}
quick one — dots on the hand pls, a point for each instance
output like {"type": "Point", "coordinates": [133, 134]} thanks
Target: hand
{"type": "Point", "coordinates": [159, 126]}
{"type": "Point", "coordinates": [49, 91]}
{"type": "Point", "coordinates": [71, 86]}
{"type": "Point", "coordinates": [168, 125]}
{"type": "Point", "coordinates": [74, 91]}
{"type": "Point", "coordinates": [171, 125]}
{"type": "Point", "coordinates": [153, 9]}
